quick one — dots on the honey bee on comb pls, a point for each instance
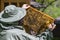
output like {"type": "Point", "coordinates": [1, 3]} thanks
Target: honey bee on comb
{"type": "Point", "coordinates": [36, 20]}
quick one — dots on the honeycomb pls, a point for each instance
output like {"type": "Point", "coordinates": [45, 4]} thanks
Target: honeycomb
{"type": "Point", "coordinates": [36, 20]}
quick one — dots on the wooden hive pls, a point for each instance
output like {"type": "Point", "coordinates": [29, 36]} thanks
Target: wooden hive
{"type": "Point", "coordinates": [36, 20]}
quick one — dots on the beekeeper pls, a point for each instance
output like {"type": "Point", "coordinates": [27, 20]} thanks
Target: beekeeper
{"type": "Point", "coordinates": [9, 18]}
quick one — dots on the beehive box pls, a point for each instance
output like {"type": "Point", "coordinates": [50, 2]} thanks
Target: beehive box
{"type": "Point", "coordinates": [36, 20]}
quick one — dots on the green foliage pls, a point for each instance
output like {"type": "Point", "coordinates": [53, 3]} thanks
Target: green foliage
{"type": "Point", "coordinates": [53, 9]}
{"type": "Point", "coordinates": [45, 1]}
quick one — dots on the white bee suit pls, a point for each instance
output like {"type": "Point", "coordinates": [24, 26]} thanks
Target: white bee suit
{"type": "Point", "coordinates": [18, 34]}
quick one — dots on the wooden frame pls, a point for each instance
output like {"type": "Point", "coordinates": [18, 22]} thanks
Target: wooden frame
{"type": "Point", "coordinates": [36, 20]}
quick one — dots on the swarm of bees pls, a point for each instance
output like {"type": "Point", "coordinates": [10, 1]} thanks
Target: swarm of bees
{"type": "Point", "coordinates": [36, 20]}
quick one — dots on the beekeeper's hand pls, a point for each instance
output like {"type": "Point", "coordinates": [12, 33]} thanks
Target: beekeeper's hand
{"type": "Point", "coordinates": [25, 6]}
{"type": "Point", "coordinates": [52, 26]}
